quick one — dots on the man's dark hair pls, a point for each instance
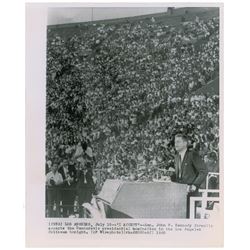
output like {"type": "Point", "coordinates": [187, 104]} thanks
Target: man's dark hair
{"type": "Point", "coordinates": [183, 136]}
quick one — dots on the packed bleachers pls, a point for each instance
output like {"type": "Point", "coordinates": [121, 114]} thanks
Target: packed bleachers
{"type": "Point", "coordinates": [117, 94]}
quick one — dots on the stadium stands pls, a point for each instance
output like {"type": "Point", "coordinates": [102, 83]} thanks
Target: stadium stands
{"type": "Point", "coordinates": [126, 87]}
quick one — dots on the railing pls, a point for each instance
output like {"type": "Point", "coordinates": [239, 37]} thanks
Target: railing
{"type": "Point", "coordinates": [202, 211]}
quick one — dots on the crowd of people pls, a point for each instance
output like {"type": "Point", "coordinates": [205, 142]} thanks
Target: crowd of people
{"type": "Point", "coordinates": [117, 94]}
{"type": "Point", "coordinates": [68, 186]}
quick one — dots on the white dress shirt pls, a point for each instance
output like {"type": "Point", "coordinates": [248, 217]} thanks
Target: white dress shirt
{"type": "Point", "coordinates": [57, 177]}
{"type": "Point", "coordinates": [182, 154]}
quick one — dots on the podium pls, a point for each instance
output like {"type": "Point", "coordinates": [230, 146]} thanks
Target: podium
{"type": "Point", "coordinates": [144, 199]}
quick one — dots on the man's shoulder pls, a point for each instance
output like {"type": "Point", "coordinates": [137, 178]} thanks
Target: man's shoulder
{"type": "Point", "coordinates": [192, 152]}
{"type": "Point", "coordinates": [59, 172]}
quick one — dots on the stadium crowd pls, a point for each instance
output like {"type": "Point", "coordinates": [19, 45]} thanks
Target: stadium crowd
{"type": "Point", "coordinates": [117, 94]}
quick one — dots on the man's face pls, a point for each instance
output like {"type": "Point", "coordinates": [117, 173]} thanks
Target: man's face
{"type": "Point", "coordinates": [54, 168]}
{"type": "Point", "coordinates": [180, 144]}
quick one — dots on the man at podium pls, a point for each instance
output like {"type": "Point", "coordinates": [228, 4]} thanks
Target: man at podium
{"type": "Point", "coordinates": [189, 167]}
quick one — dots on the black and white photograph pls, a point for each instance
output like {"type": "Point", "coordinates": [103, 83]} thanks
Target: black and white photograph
{"type": "Point", "coordinates": [132, 113]}
{"type": "Point", "coordinates": [125, 125]}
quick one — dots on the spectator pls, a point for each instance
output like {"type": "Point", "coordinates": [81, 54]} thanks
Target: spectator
{"type": "Point", "coordinates": [68, 172]}
{"type": "Point", "coordinates": [53, 181]}
{"type": "Point", "coordinates": [117, 95]}
{"type": "Point", "coordinates": [85, 186]}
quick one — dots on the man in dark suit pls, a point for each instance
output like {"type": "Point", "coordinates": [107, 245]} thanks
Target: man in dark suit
{"type": "Point", "coordinates": [189, 167]}
{"type": "Point", "coordinates": [85, 185]}
{"type": "Point", "coordinates": [68, 193]}
{"type": "Point", "coordinates": [53, 181]}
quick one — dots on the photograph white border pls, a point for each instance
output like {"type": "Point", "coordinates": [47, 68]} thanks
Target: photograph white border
{"type": "Point", "coordinates": [36, 223]}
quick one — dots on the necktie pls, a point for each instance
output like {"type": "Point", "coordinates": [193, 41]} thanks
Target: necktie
{"type": "Point", "coordinates": [179, 166]}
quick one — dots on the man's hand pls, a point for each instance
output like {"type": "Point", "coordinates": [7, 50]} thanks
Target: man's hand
{"type": "Point", "coordinates": [191, 188]}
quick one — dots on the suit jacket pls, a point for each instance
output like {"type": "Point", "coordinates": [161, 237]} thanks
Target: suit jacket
{"type": "Point", "coordinates": [71, 172]}
{"type": "Point", "coordinates": [85, 180]}
{"type": "Point", "coordinates": [193, 169]}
